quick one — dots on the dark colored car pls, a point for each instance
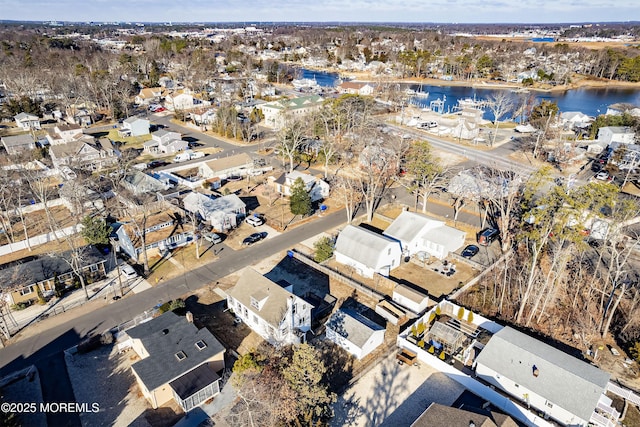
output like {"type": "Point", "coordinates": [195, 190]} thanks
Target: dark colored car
{"type": "Point", "coordinates": [470, 251]}
{"type": "Point", "coordinates": [487, 236]}
{"type": "Point", "coordinates": [156, 163]}
{"type": "Point", "coordinates": [253, 238]}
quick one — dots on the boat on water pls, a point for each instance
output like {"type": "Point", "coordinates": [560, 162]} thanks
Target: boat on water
{"type": "Point", "coordinates": [520, 90]}
{"type": "Point", "coordinates": [305, 84]}
{"type": "Point", "coordinates": [420, 94]}
{"type": "Point", "coordinates": [471, 103]}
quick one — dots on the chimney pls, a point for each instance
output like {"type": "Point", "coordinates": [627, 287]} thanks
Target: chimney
{"type": "Point", "coordinates": [189, 317]}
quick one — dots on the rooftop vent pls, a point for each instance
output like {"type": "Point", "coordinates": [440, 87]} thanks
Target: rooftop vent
{"type": "Point", "coordinates": [165, 331]}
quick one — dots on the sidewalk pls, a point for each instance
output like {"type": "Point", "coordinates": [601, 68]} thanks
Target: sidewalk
{"type": "Point", "coordinates": [105, 290]}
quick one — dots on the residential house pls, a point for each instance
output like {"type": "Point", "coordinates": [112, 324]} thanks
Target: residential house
{"type": "Point", "coordinates": [224, 167]}
{"type": "Point", "coordinates": [179, 361]}
{"type": "Point", "coordinates": [21, 279]}
{"type": "Point", "coordinates": [575, 120]}
{"type": "Point", "coordinates": [26, 121]}
{"type": "Point", "coordinates": [138, 182]}
{"type": "Point", "coordinates": [85, 153]}
{"type": "Point", "coordinates": [356, 88]}
{"type": "Point", "coordinates": [619, 134]}
{"type": "Point", "coordinates": [440, 415]}
{"type": "Point", "coordinates": [62, 134]}
{"type": "Point", "coordinates": [17, 144]}
{"type": "Point", "coordinates": [468, 126]}
{"type": "Point", "coordinates": [354, 332]}
{"type": "Point", "coordinates": [367, 252]}
{"type": "Point", "coordinates": [317, 188]}
{"type": "Point", "coordinates": [165, 142]}
{"type": "Point", "coordinates": [203, 116]}
{"type": "Point", "coordinates": [184, 101]}
{"type": "Point", "coordinates": [148, 95]}
{"type": "Point", "coordinates": [161, 231]}
{"type": "Point", "coordinates": [412, 298]}
{"type": "Point", "coordinates": [223, 213]}
{"type": "Point", "coordinates": [135, 126]}
{"type": "Point", "coordinates": [276, 112]}
{"type": "Point", "coordinates": [545, 378]}
{"type": "Point", "coordinates": [418, 233]}
{"type": "Point", "coordinates": [273, 312]}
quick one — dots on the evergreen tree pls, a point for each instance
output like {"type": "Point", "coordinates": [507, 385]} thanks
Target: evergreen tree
{"type": "Point", "coordinates": [300, 201]}
{"type": "Point", "coordinates": [95, 230]}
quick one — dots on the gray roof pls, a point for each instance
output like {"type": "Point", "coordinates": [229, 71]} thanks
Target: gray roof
{"type": "Point", "coordinates": [362, 245]}
{"type": "Point", "coordinates": [23, 115]}
{"type": "Point", "coordinates": [352, 326]}
{"type": "Point", "coordinates": [253, 284]}
{"type": "Point", "coordinates": [408, 225]}
{"type": "Point", "coordinates": [440, 415]}
{"type": "Point", "coordinates": [17, 140]}
{"type": "Point", "coordinates": [562, 379]}
{"type": "Point", "coordinates": [224, 163]}
{"type": "Point", "coordinates": [163, 337]}
{"type": "Point", "coordinates": [19, 274]}
{"type": "Point", "coordinates": [194, 381]}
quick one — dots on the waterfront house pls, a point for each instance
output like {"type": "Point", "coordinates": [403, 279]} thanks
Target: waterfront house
{"type": "Point", "coordinates": [620, 134]}
{"type": "Point", "coordinates": [179, 361]}
{"type": "Point", "coordinates": [356, 88]}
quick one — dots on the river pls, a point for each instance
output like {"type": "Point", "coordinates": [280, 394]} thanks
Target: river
{"type": "Point", "coordinates": [590, 101]}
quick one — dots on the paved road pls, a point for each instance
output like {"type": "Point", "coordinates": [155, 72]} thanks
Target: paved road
{"type": "Point", "coordinates": [34, 349]}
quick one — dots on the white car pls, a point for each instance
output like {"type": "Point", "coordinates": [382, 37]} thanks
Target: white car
{"type": "Point", "coordinates": [128, 272]}
{"type": "Point", "coordinates": [254, 220]}
{"type": "Point", "coordinates": [603, 176]}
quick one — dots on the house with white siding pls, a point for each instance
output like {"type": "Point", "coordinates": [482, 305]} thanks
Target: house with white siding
{"type": "Point", "coordinates": [270, 310]}
{"type": "Point", "coordinates": [276, 112]}
{"type": "Point", "coordinates": [354, 332]}
{"type": "Point", "coordinates": [26, 121]}
{"type": "Point", "coordinates": [367, 252]}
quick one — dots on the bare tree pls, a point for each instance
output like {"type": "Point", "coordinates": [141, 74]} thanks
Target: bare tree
{"type": "Point", "coordinates": [499, 104]}
{"type": "Point", "coordinates": [291, 137]}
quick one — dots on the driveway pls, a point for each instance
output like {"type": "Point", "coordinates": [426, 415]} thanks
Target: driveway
{"type": "Point", "coordinates": [393, 395]}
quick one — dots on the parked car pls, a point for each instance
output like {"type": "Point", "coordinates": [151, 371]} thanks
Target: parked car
{"type": "Point", "coordinates": [157, 163]}
{"type": "Point", "coordinates": [212, 238]}
{"type": "Point", "coordinates": [254, 220]}
{"type": "Point", "coordinates": [253, 238]}
{"type": "Point", "coordinates": [603, 176]}
{"type": "Point", "coordinates": [128, 272]}
{"type": "Point", "coordinates": [470, 251]}
{"type": "Point", "coordinates": [487, 236]}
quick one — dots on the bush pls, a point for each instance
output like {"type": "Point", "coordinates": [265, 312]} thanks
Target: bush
{"type": "Point", "coordinates": [460, 313]}
{"type": "Point", "coordinates": [177, 304]}
{"type": "Point", "coordinates": [442, 355]}
{"type": "Point", "coordinates": [20, 306]}
{"type": "Point", "coordinates": [634, 350]}
{"type": "Point", "coordinates": [421, 344]}
{"type": "Point", "coordinates": [324, 249]}
{"type": "Point", "coordinates": [431, 349]}
{"type": "Point", "coordinates": [470, 317]}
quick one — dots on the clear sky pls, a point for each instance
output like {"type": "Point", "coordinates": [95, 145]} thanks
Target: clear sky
{"type": "Point", "coordinates": [448, 11]}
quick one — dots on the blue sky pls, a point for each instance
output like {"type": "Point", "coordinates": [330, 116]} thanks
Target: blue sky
{"type": "Point", "coordinates": [472, 11]}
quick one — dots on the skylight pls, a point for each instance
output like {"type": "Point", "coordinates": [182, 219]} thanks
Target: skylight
{"type": "Point", "coordinates": [181, 356]}
{"type": "Point", "coordinates": [201, 345]}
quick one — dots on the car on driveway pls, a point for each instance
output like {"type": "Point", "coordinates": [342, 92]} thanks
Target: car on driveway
{"type": "Point", "coordinates": [603, 176]}
{"type": "Point", "coordinates": [212, 237]}
{"type": "Point", "coordinates": [128, 272]}
{"type": "Point", "coordinates": [470, 251]}
{"type": "Point", "coordinates": [253, 238]}
{"type": "Point", "coordinates": [254, 220]}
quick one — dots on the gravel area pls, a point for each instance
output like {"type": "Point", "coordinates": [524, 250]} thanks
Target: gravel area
{"type": "Point", "coordinates": [393, 395]}
{"type": "Point", "coordinates": [104, 376]}
{"type": "Point", "coordinates": [26, 389]}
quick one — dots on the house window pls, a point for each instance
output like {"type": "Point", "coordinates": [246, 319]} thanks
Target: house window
{"type": "Point", "coordinates": [181, 356]}
{"type": "Point", "coordinates": [200, 345]}
{"type": "Point", "coordinates": [517, 386]}
{"type": "Point", "coordinates": [254, 303]}
{"type": "Point", "coordinates": [93, 268]}
{"type": "Point", "coordinates": [255, 319]}
{"type": "Point", "coordinates": [26, 291]}
{"type": "Point", "coordinates": [549, 404]}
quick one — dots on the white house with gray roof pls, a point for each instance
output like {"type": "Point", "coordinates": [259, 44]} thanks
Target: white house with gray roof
{"type": "Point", "coordinates": [273, 312]}
{"type": "Point", "coordinates": [223, 213]}
{"type": "Point", "coordinates": [418, 233]}
{"type": "Point", "coordinates": [135, 126]}
{"type": "Point", "coordinates": [26, 121]}
{"type": "Point", "coordinates": [545, 378]}
{"type": "Point", "coordinates": [16, 144]}
{"type": "Point", "coordinates": [354, 332]}
{"type": "Point", "coordinates": [367, 252]}
{"type": "Point", "coordinates": [276, 112]}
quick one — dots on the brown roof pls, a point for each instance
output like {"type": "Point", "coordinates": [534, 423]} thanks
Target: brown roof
{"type": "Point", "coordinates": [155, 235]}
{"type": "Point", "coordinates": [225, 163]}
{"type": "Point", "coordinates": [352, 85]}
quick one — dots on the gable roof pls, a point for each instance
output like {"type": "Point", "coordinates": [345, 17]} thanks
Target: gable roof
{"type": "Point", "coordinates": [225, 163]}
{"type": "Point", "coordinates": [408, 225]}
{"type": "Point", "coordinates": [362, 245]}
{"type": "Point", "coordinates": [295, 103]}
{"type": "Point", "coordinates": [17, 140]}
{"type": "Point", "coordinates": [253, 284]}
{"type": "Point", "coordinates": [163, 337]}
{"type": "Point", "coordinates": [562, 379]}
{"type": "Point", "coordinates": [410, 293]}
{"type": "Point", "coordinates": [352, 326]}
{"type": "Point", "coordinates": [25, 116]}
{"type": "Point", "coordinates": [20, 274]}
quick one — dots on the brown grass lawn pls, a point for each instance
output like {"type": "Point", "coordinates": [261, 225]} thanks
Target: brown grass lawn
{"type": "Point", "coordinates": [47, 248]}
